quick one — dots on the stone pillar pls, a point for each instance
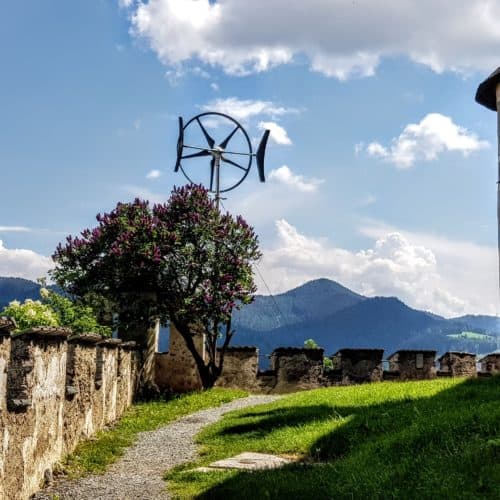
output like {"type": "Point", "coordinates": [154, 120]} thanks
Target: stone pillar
{"type": "Point", "coordinates": [240, 368]}
{"type": "Point", "coordinates": [108, 366]}
{"type": "Point", "coordinates": [176, 370]}
{"type": "Point", "coordinates": [6, 326]}
{"type": "Point", "coordinates": [125, 370]}
{"type": "Point", "coordinates": [80, 388]}
{"type": "Point", "coordinates": [35, 398]}
{"type": "Point", "coordinates": [488, 95]}
{"type": "Point", "coordinates": [297, 368]}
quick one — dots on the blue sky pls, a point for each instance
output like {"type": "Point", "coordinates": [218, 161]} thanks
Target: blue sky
{"type": "Point", "coordinates": [381, 168]}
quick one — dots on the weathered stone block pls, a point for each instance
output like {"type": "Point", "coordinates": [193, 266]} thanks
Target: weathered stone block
{"type": "Point", "coordinates": [358, 365]}
{"type": "Point", "coordinates": [413, 364]}
{"type": "Point", "coordinates": [240, 368]}
{"type": "Point", "coordinates": [297, 368]}
{"type": "Point", "coordinates": [458, 364]}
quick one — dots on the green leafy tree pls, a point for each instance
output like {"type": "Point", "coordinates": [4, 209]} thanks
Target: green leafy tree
{"type": "Point", "coordinates": [182, 261]}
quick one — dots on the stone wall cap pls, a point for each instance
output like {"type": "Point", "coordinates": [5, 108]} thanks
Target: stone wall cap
{"type": "Point", "coordinates": [130, 344]}
{"type": "Point", "coordinates": [110, 342]}
{"type": "Point", "coordinates": [456, 353]}
{"type": "Point", "coordinates": [7, 325]}
{"type": "Point", "coordinates": [491, 355]}
{"type": "Point", "coordinates": [358, 349]}
{"type": "Point", "coordinates": [42, 332]}
{"type": "Point", "coordinates": [281, 350]}
{"type": "Point", "coordinates": [240, 348]}
{"type": "Point", "coordinates": [85, 338]}
{"type": "Point", "coordinates": [413, 351]}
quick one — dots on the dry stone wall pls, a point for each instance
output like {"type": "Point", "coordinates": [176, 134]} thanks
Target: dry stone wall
{"type": "Point", "coordinates": [176, 369]}
{"type": "Point", "coordinates": [413, 364]}
{"type": "Point", "coordinates": [357, 365]}
{"type": "Point", "coordinates": [491, 363]}
{"type": "Point", "coordinates": [240, 368]}
{"type": "Point", "coordinates": [297, 368]}
{"type": "Point", "coordinates": [55, 389]}
{"type": "Point", "coordinates": [294, 369]}
{"type": "Point", "coordinates": [458, 364]}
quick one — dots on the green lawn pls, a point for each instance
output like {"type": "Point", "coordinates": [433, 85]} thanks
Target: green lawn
{"type": "Point", "coordinates": [93, 455]}
{"type": "Point", "coordinates": [430, 439]}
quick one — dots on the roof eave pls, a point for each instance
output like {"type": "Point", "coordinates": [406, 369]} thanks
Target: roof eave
{"type": "Point", "coordinates": [486, 92]}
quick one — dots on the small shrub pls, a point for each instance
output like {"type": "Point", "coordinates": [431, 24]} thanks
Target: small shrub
{"type": "Point", "coordinates": [311, 344]}
{"type": "Point", "coordinates": [31, 313]}
{"type": "Point", "coordinates": [54, 310]}
{"type": "Point", "coordinates": [80, 318]}
{"type": "Point", "coordinates": [327, 364]}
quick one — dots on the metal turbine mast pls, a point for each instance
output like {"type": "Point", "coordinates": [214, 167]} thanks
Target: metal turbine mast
{"type": "Point", "coordinates": [220, 153]}
{"type": "Point", "coordinates": [488, 94]}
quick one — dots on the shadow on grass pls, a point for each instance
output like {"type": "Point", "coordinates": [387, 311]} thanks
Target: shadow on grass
{"type": "Point", "coordinates": [278, 418]}
{"type": "Point", "coordinates": [447, 446]}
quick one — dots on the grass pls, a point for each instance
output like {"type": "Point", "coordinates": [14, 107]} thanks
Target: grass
{"type": "Point", "coordinates": [429, 439]}
{"type": "Point", "coordinates": [95, 454]}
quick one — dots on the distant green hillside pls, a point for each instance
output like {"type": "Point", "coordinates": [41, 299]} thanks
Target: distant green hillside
{"type": "Point", "coordinates": [480, 337]}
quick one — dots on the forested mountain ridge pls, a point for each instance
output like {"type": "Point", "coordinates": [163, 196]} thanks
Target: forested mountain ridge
{"type": "Point", "coordinates": [335, 317]}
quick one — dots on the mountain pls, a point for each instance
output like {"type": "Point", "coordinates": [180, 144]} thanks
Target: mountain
{"type": "Point", "coordinates": [376, 322]}
{"type": "Point", "coordinates": [335, 317]}
{"type": "Point", "coordinates": [309, 302]}
{"type": "Point", "coordinates": [17, 289]}
{"type": "Point", "coordinates": [478, 322]}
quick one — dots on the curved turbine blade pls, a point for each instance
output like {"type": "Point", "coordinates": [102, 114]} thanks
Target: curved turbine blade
{"type": "Point", "coordinates": [210, 141]}
{"type": "Point", "coordinates": [212, 169]}
{"type": "Point", "coordinates": [195, 155]}
{"type": "Point", "coordinates": [226, 160]}
{"type": "Point", "coordinates": [180, 144]}
{"type": "Point", "coordinates": [261, 151]}
{"type": "Point", "coordinates": [224, 143]}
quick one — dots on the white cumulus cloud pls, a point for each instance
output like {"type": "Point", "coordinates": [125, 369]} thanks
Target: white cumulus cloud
{"type": "Point", "coordinates": [243, 109]}
{"type": "Point", "coordinates": [339, 38]}
{"type": "Point", "coordinates": [153, 174]}
{"type": "Point", "coordinates": [125, 4]}
{"type": "Point", "coordinates": [433, 135]}
{"type": "Point", "coordinates": [14, 229]}
{"type": "Point", "coordinates": [22, 263]}
{"type": "Point", "coordinates": [278, 134]}
{"type": "Point", "coordinates": [414, 268]}
{"type": "Point", "coordinates": [284, 175]}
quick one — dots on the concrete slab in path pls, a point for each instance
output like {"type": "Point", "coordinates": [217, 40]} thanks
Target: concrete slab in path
{"type": "Point", "coordinates": [249, 461]}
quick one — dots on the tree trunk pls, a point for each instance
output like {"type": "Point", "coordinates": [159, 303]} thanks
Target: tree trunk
{"type": "Point", "coordinates": [208, 370]}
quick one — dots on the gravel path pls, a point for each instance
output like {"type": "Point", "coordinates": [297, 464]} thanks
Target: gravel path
{"type": "Point", "coordinates": [137, 475]}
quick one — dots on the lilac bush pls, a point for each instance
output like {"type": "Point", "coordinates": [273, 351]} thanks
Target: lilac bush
{"type": "Point", "coordinates": [183, 261]}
